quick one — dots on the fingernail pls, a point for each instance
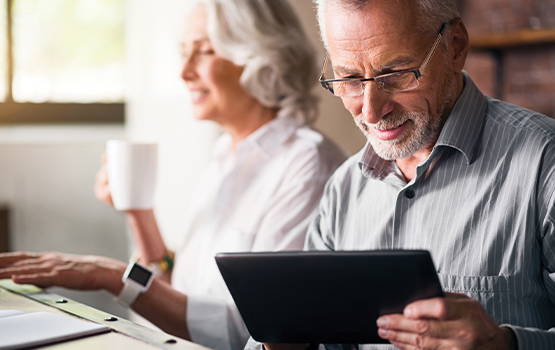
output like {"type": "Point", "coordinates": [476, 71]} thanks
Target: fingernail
{"type": "Point", "coordinates": [382, 322]}
{"type": "Point", "coordinates": [383, 333]}
{"type": "Point", "coordinates": [408, 312]}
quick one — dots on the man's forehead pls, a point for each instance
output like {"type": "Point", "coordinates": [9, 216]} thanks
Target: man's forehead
{"type": "Point", "coordinates": [383, 29]}
{"type": "Point", "coordinates": [380, 18]}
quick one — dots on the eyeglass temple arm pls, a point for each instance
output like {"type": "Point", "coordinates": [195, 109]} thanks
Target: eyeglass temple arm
{"type": "Point", "coordinates": [324, 65]}
{"type": "Point", "coordinates": [431, 53]}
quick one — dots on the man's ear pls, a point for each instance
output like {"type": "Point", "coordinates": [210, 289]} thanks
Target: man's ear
{"type": "Point", "coordinates": [459, 45]}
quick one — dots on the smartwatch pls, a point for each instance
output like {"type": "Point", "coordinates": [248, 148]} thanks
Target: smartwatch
{"type": "Point", "coordinates": [136, 280]}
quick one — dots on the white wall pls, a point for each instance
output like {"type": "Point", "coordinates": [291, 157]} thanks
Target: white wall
{"type": "Point", "coordinates": [47, 175]}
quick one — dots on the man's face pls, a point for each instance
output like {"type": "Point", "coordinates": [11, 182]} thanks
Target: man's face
{"type": "Point", "coordinates": [382, 39]}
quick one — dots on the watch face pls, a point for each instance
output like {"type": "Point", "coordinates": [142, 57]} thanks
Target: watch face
{"type": "Point", "coordinates": [139, 274]}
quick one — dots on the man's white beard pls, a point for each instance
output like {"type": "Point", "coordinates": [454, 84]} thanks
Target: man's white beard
{"type": "Point", "coordinates": [422, 129]}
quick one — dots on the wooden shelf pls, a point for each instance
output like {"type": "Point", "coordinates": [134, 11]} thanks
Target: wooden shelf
{"type": "Point", "coordinates": [61, 113]}
{"type": "Point", "coordinates": [525, 37]}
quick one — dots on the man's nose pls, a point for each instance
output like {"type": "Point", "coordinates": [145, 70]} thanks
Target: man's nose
{"type": "Point", "coordinates": [376, 102]}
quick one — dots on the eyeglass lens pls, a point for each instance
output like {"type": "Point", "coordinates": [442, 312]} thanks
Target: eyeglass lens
{"type": "Point", "coordinates": [398, 82]}
{"type": "Point", "coordinates": [395, 82]}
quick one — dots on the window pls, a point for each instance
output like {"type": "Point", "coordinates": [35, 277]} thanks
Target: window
{"type": "Point", "coordinates": [3, 53]}
{"type": "Point", "coordinates": [61, 61]}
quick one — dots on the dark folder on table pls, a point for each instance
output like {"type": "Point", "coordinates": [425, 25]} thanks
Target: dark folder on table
{"type": "Point", "coordinates": [325, 297]}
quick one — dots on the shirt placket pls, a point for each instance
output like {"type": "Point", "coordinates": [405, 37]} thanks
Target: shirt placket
{"type": "Point", "coordinates": [407, 197]}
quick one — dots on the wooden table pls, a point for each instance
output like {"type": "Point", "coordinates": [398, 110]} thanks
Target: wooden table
{"type": "Point", "coordinates": [124, 335]}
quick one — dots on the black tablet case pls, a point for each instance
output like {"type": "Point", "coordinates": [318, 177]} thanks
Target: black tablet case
{"type": "Point", "coordinates": [325, 297]}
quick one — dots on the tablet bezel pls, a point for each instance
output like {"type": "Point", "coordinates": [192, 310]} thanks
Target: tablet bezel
{"type": "Point", "coordinates": [322, 297]}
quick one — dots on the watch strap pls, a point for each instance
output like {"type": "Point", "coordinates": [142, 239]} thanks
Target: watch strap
{"type": "Point", "coordinates": [128, 294]}
{"type": "Point", "coordinates": [136, 280]}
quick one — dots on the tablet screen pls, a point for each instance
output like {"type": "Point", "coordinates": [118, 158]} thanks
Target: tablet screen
{"type": "Point", "coordinates": [325, 297]}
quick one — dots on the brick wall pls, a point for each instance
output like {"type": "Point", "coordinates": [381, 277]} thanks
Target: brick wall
{"type": "Point", "coordinates": [523, 75]}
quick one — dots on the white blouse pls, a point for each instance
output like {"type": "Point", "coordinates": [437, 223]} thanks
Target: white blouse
{"type": "Point", "coordinates": [259, 198]}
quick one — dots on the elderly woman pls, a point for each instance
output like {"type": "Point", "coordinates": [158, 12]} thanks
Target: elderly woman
{"type": "Point", "coordinates": [250, 68]}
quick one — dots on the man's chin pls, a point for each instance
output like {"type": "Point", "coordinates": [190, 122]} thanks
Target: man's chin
{"type": "Point", "coordinates": [390, 150]}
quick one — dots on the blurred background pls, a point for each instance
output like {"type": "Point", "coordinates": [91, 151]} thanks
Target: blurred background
{"type": "Point", "coordinates": [75, 73]}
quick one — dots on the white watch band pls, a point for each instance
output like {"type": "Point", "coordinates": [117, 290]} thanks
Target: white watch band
{"type": "Point", "coordinates": [129, 293]}
{"type": "Point", "coordinates": [136, 280]}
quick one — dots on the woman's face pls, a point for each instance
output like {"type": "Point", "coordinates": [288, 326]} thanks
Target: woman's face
{"type": "Point", "coordinates": [212, 80]}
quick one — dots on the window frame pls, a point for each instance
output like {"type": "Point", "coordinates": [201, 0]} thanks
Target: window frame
{"type": "Point", "coordinates": [12, 112]}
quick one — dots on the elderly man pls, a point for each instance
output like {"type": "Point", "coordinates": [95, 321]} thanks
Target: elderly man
{"type": "Point", "coordinates": [447, 169]}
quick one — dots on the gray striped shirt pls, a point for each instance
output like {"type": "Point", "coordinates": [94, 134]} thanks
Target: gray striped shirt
{"type": "Point", "coordinates": [482, 204]}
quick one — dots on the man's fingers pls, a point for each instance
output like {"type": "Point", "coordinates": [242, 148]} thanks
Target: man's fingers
{"type": "Point", "coordinates": [409, 340]}
{"type": "Point", "coordinates": [451, 307]}
{"type": "Point", "coordinates": [453, 322]}
{"type": "Point", "coordinates": [399, 323]}
{"type": "Point", "coordinates": [428, 327]}
{"type": "Point", "coordinates": [418, 334]}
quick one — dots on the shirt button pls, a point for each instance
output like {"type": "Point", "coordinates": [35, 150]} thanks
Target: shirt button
{"type": "Point", "coordinates": [409, 194]}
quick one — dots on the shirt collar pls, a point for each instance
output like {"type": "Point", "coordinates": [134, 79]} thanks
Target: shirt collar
{"type": "Point", "coordinates": [463, 127]}
{"type": "Point", "coordinates": [267, 139]}
{"type": "Point", "coordinates": [461, 131]}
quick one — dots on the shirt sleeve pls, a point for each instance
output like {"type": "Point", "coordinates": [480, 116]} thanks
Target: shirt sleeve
{"type": "Point", "coordinates": [283, 226]}
{"type": "Point", "coordinates": [533, 338]}
{"type": "Point", "coordinates": [221, 318]}
{"type": "Point", "coordinates": [321, 234]}
{"type": "Point", "coordinates": [253, 345]}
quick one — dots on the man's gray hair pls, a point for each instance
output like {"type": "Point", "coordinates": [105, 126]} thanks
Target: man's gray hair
{"type": "Point", "coordinates": [432, 13]}
{"type": "Point", "coordinates": [266, 38]}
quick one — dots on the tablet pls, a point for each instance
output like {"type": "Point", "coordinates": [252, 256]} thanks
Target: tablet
{"type": "Point", "coordinates": [325, 297]}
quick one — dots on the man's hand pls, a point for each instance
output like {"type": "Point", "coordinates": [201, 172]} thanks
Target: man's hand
{"type": "Point", "coordinates": [454, 322]}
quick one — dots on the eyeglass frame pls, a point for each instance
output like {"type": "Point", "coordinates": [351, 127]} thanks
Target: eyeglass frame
{"type": "Point", "coordinates": [417, 73]}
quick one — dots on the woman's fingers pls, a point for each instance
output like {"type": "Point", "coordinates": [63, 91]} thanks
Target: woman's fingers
{"type": "Point", "coordinates": [101, 188]}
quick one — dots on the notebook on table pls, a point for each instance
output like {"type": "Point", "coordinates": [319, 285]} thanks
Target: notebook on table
{"type": "Point", "coordinates": [20, 330]}
{"type": "Point", "coordinates": [325, 297]}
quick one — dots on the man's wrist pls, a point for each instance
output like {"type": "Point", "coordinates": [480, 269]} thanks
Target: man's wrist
{"type": "Point", "coordinates": [313, 346]}
{"type": "Point", "coordinates": [510, 337]}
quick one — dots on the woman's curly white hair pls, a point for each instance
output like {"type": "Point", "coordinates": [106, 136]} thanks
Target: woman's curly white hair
{"type": "Point", "coordinates": [266, 38]}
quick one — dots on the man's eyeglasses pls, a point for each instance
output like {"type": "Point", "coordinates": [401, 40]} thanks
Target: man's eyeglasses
{"type": "Point", "coordinates": [391, 82]}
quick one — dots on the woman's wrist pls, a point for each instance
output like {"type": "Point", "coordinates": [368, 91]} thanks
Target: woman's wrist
{"type": "Point", "coordinates": [140, 214]}
{"type": "Point", "coordinates": [146, 235]}
{"type": "Point", "coordinates": [160, 266]}
{"type": "Point", "coordinates": [111, 273]}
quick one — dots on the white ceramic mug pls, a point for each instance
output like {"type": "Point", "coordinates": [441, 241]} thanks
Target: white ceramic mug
{"type": "Point", "coordinates": [131, 173]}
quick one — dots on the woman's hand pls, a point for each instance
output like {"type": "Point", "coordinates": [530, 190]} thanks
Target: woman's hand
{"type": "Point", "coordinates": [101, 188]}
{"type": "Point", "coordinates": [63, 270]}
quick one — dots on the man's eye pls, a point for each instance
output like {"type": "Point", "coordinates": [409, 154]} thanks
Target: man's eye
{"type": "Point", "coordinates": [350, 77]}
